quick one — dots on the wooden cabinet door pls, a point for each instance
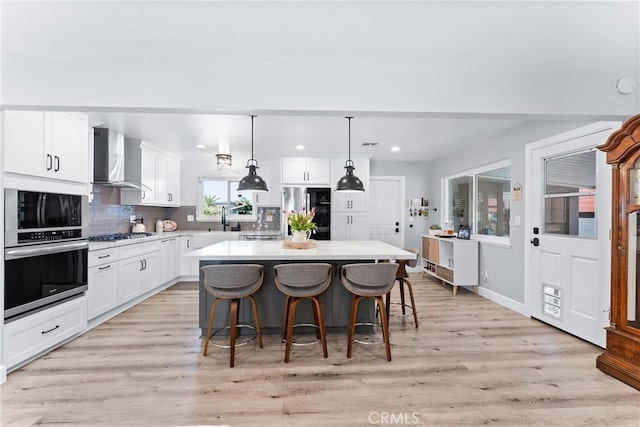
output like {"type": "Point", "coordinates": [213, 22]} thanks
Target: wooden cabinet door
{"type": "Point", "coordinates": [434, 251]}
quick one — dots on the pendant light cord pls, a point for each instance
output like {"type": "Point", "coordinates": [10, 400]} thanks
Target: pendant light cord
{"type": "Point", "coordinates": [349, 118]}
{"type": "Point", "coordinates": [252, 116]}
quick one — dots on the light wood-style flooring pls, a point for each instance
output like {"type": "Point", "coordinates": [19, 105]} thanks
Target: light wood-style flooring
{"type": "Point", "coordinates": [471, 362]}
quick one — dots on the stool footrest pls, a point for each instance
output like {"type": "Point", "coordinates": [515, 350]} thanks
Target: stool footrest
{"type": "Point", "coordinates": [238, 344]}
{"type": "Point", "coordinates": [300, 344]}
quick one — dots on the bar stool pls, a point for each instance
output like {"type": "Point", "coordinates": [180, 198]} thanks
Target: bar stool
{"type": "Point", "coordinates": [365, 280]}
{"type": "Point", "coordinates": [232, 282]}
{"type": "Point", "coordinates": [297, 282]}
{"type": "Point", "coordinates": [401, 278]}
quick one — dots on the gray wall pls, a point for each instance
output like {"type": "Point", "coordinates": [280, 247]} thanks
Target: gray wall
{"type": "Point", "coordinates": [505, 265]}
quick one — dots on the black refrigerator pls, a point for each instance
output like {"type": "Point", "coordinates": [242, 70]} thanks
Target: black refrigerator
{"type": "Point", "coordinates": [296, 198]}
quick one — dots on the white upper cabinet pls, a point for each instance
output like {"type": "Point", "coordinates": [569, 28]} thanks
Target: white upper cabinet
{"type": "Point", "coordinates": [47, 144]}
{"type": "Point", "coordinates": [269, 171]}
{"type": "Point", "coordinates": [307, 171]}
{"type": "Point", "coordinates": [159, 175]}
{"type": "Point", "coordinates": [350, 202]}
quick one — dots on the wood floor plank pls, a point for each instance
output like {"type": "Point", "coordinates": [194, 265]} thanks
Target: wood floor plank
{"type": "Point", "coordinates": [470, 362]}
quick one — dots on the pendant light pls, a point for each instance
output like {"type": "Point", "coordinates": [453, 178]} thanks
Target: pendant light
{"type": "Point", "coordinates": [349, 183]}
{"type": "Point", "coordinates": [252, 182]}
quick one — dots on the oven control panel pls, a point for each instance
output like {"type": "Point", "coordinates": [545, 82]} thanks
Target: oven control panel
{"type": "Point", "coordinates": [44, 236]}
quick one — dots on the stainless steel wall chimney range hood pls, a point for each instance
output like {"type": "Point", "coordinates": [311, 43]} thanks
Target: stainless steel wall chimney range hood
{"type": "Point", "coordinates": [109, 161]}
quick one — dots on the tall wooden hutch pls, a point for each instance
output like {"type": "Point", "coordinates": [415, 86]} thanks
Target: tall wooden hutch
{"type": "Point", "coordinates": [622, 356]}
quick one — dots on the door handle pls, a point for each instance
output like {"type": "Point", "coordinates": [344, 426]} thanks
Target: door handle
{"type": "Point", "coordinates": [397, 230]}
{"type": "Point", "coordinates": [397, 223]}
{"type": "Point", "coordinates": [535, 241]}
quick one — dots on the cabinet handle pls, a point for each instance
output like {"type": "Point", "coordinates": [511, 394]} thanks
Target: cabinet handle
{"type": "Point", "coordinates": [104, 268]}
{"type": "Point", "coordinates": [145, 264]}
{"type": "Point", "coordinates": [57, 168]}
{"type": "Point", "coordinates": [188, 243]}
{"type": "Point", "coordinates": [104, 256]}
{"type": "Point", "coordinates": [50, 330]}
{"type": "Point", "coordinates": [144, 194]}
{"type": "Point", "coordinates": [141, 265]}
{"type": "Point", "coordinates": [49, 162]}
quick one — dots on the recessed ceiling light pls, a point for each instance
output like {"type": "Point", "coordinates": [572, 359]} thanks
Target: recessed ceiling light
{"type": "Point", "coordinates": [395, 148]}
{"type": "Point", "coordinates": [201, 146]}
{"type": "Point", "coordinates": [299, 147]}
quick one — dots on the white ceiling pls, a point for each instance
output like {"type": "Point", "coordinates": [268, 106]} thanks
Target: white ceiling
{"type": "Point", "coordinates": [486, 37]}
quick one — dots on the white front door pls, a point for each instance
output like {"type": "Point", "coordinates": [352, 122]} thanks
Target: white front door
{"type": "Point", "coordinates": [569, 207]}
{"type": "Point", "coordinates": [386, 197]}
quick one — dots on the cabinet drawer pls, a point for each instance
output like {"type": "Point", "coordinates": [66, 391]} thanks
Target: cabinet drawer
{"type": "Point", "coordinates": [26, 337]}
{"type": "Point", "coordinates": [137, 249]}
{"type": "Point", "coordinates": [102, 256]}
{"type": "Point", "coordinates": [444, 273]}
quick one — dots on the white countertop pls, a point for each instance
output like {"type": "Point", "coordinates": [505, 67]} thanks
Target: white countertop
{"type": "Point", "coordinates": [240, 250]}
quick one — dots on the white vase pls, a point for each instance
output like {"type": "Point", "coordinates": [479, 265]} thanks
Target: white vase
{"type": "Point", "coordinates": [300, 236]}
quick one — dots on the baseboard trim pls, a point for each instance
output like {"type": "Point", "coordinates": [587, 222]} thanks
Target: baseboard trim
{"type": "Point", "coordinates": [516, 306]}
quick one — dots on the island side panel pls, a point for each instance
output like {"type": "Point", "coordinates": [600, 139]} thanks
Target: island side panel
{"type": "Point", "coordinates": [336, 303]}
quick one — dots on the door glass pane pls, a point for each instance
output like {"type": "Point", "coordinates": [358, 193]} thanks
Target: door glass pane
{"type": "Point", "coordinates": [567, 174]}
{"type": "Point", "coordinates": [571, 216]}
{"type": "Point", "coordinates": [460, 201]}
{"type": "Point", "coordinates": [493, 202]}
{"type": "Point", "coordinates": [633, 276]}
{"type": "Point", "coordinates": [570, 194]}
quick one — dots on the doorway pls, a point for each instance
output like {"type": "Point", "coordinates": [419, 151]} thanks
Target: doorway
{"type": "Point", "coordinates": [568, 211]}
{"type": "Point", "coordinates": [386, 201]}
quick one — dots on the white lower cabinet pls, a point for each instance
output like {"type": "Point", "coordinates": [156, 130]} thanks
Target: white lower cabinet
{"type": "Point", "coordinates": [138, 269]}
{"type": "Point", "coordinates": [168, 250]}
{"type": "Point", "coordinates": [102, 295]}
{"type": "Point", "coordinates": [350, 226]}
{"type": "Point", "coordinates": [188, 267]}
{"type": "Point", "coordinates": [27, 337]}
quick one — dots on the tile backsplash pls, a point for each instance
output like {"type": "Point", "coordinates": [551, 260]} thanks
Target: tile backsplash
{"type": "Point", "coordinates": [107, 215]}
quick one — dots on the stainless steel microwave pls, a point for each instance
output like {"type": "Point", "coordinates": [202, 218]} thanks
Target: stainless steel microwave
{"type": "Point", "coordinates": [33, 217]}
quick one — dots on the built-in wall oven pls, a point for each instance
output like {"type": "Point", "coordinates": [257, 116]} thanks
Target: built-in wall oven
{"type": "Point", "coordinates": [46, 247]}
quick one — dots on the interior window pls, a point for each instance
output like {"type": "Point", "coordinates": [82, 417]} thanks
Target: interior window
{"type": "Point", "coordinates": [218, 197]}
{"type": "Point", "coordinates": [480, 200]}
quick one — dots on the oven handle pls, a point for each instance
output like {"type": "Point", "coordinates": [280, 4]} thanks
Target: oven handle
{"type": "Point", "coordinates": [19, 253]}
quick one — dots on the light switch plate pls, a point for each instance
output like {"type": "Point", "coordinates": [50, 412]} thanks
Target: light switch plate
{"type": "Point", "coordinates": [516, 220]}
{"type": "Point", "coordinates": [190, 218]}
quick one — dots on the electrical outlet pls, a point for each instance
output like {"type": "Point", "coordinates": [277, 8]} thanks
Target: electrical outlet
{"type": "Point", "coordinates": [190, 218]}
{"type": "Point", "coordinates": [486, 275]}
{"type": "Point", "coordinates": [132, 219]}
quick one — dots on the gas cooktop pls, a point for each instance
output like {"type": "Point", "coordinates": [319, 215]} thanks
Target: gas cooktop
{"type": "Point", "coordinates": [118, 236]}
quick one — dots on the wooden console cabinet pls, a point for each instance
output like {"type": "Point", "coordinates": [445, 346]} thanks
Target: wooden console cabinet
{"type": "Point", "coordinates": [451, 260]}
{"type": "Point", "coordinates": [622, 357]}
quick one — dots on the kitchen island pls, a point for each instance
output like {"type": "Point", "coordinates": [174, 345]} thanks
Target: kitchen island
{"type": "Point", "coordinates": [336, 301]}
